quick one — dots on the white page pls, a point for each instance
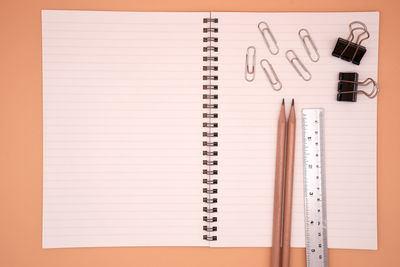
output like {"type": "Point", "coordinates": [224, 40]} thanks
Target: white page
{"type": "Point", "coordinates": [122, 129]}
{"type": "Point", "coordinates": [248, 114]}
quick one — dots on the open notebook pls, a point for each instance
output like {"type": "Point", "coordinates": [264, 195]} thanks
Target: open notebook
{"type": "Point", "coordinates": [124, 112]}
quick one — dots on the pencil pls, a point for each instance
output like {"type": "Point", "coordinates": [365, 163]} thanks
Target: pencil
{"type": "Point", "coordinates": [287, 219]}
{"type": "Point", "coordinates": [278, 191]}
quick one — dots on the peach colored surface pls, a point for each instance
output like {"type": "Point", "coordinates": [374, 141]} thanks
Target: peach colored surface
{"type": "Point", "coordinates": [21, 141]}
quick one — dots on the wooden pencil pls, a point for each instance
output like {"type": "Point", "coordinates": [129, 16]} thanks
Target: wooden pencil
{"type": "Point", "coordinates": [278, 191]}
{"type": "Point", "coordinates": [287, 217]}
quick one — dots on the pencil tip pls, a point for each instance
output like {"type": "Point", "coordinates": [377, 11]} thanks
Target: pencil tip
{"type": "Point", "coordinates": [283, 101]}
{"type": "Point", "coordinates": [292, 101]}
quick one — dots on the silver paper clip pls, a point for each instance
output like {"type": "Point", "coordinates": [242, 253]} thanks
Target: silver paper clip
{"type": "Point", "coordinates": [249, 74]}
{"type": "Point", "coordinates": [304, 36]}
{"type": "Point", "coordinates": [264, 29]}
{"type": "Point", "coordinates": [275, 82]}
{"type": "Point", "coordinates": [293, 58]}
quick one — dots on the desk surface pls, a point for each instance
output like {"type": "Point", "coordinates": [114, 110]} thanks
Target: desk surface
{"type": "Point", "coordinates": [21, 141]}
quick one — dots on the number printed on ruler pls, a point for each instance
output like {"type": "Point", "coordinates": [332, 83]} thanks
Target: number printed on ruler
{"type": "Point", "coordinates": [314, 188]}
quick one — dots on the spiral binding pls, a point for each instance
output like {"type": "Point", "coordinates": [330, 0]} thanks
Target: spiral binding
{"type": "Point", "coordinates": [210, 133]}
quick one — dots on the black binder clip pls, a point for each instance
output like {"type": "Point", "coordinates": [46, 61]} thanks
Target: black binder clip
{"type": "Point", "coordinates": [349, 50]}
{"type": "Point", "coordinates": [348, 87]}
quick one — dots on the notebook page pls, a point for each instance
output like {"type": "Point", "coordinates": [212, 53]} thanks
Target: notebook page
{"type": "Point", "coordinates": [122, 129]}
{"type": "Point", "coordinates": [248, 114]}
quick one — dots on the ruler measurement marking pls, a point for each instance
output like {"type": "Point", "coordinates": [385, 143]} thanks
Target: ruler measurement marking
{"type": "Point", "coordinates": [314, 189]}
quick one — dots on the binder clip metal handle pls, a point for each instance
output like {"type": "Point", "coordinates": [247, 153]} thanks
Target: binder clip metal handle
{"type": "Point", "coordinates": [249, 74]}
{"type": "Point", "coordinates": [360, 26]}
{"type": "Point", "coordinates": [348, 87]}
{"type": "Point", "coordinates": [265, 29]}
{"type": "Point", "coordinates": [349, 49]}
{"type": "Point", "coordinates": [359, 40]}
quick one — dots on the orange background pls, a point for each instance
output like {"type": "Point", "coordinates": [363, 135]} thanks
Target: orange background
{"type": "Point", "coordinates": [21, 141]}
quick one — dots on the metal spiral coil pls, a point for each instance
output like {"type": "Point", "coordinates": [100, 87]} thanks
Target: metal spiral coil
{"type": "Point", "coordinates": [210, 96]}
{"type": "Point", "coordinates": [210, 125]}
{"type": "Point", "coordinates": [210, 48]}
{"type": "Point", "coordinates": [210, 191]}
{"type": "Point", "coordinates": [215, 68]}
{"type": "Point", "coordinates": [208, 20]}
{"type": "Point", "coordinates": [205, 143]}
{"type": "Point", "coordinates": [210, 115]}
{"type": "Point", "coordinates": [210, 200]}
{"type": "Point", "coordinates": [210, 77]}
{"type": "Point", "coordinates": [209, 219]}
{"type": "Point", "coordinates": [210, 106]}
{"type": "Point", "coordinates": [213, 210]}
{"type": "Point", "coordinates": [210, 134]}
{"type": "Point", "coordinates": [210, 143]}
{"type": "Point", "coordinates": [210, 86]}
{"type": "Point", "coordinates": [210, 153]}
{"type": "Point", "coordinates": [210, 229]}
{"type": "Point", "coordinates": [210, 29]}
{"type": "Point", "coordinates": [210, 39]}
{"type": "Point", "coordinates": [212, 181]}
{"type": "Point", "coordinates": [210, 58]}
{"type": "Point", "coordinates": [210, 162]}
{"type": "Point", "coordinates": [210, 238]}
{"type": "Point", "coordinates": [208, 172]}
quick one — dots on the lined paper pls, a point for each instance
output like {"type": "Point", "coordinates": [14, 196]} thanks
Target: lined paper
{"type": "Point", "coordinates": [248, 115]}
{"type": "Point", "coordinates": [122, 126]}
{"type": "Point", "coordinates": [122, 129]}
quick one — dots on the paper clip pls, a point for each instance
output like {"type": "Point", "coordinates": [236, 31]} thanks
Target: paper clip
{"type": "Point", "coordinates": [271, 36]}
{"type": "Point", "coordinates": [292, 58]}
{"type": "Point", "coordinates": [305, 35]}
{"type": "Point", "coordinates": [348, 87]}
{"type": "Point", "coordinates": [249, 75]}
{"type": "Point", "coordinates": [275, 82]}
{"type": "Point", "coordinates": [349, 50]}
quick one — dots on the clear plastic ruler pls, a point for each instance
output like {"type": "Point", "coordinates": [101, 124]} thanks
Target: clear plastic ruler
{"type": "Point", "coordinates": [314, 188]}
